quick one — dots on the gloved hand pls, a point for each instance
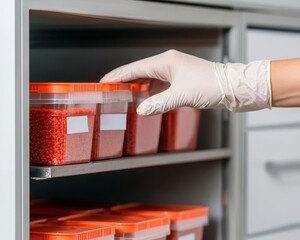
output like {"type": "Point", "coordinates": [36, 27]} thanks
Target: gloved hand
{"type": "Point", "coordinates": [198, 83]}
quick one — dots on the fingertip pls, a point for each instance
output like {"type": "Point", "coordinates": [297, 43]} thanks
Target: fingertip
{"type": "Point", "coordinates": [106, 78]}
{"type": "Point", "coordinates": [142, 110]}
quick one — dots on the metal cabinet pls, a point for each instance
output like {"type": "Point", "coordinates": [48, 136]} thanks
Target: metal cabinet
{"type": "Point", "coordinates": [290, 234]}
{"type": "Point", "coordinates": [273, 179]}
{"type": "Point", "coordinates": [123, 30]}
{"type": "Point", "coordinates": [271, 139]}
{"type": "Point", "coordinates": [214, 175]}
{"type": "Point", "coordinates": [272, 44]}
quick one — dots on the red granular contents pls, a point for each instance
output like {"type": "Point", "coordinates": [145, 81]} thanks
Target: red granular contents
{"type": "Point", "coordinates": [49, 142]}
{"type": "Point", "coordinates": [142, 134]}
{"type": "Point", "coordinates": [108, 144]}
{"type": "Point", "coordinates": [197, 233]}
{"type": "Point", "coordinates": [179, 131]}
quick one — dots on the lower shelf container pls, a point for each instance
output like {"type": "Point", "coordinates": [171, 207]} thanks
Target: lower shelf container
{"type": "Point", "coordinates": [187, 222]}
{"type": "Point", "coordinates": [129, 227]}
{"type": "Point", "coordinates": [52, 231]}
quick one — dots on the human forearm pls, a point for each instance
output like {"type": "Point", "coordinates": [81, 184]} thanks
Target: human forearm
{"type": "Point", "coordinates": [285, 82]}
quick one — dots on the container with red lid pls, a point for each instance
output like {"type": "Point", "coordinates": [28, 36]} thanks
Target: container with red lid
{"type": "Point", "coordinates": [187, 222]}
{"type": "Point", "coordinates": [55, 231]}
{"type": "Point", "coordinates": [142, 134]}
{"type": "Point", "coordinates": [179, 130]}
{"type": "Point", "coordinates": [61, 122]}
{"type": "Point", "coordinates": [129, 227]}
{"type": "Point", "coordinates": [111, 118]}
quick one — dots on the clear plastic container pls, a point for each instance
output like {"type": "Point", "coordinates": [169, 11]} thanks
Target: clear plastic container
{"type": "Point", "coordinates": [179, 131]}
{"type": "Point", "coordinates": [52, 231]}
{"type": "Point", "coordinates": [61, 123]}
{"type": "Point", "coordinates": [110, 122]}
{"type": "Point", "coordinates": [129, 227]}
{"type": "Point", "coordinates": [142, 134]}
{"type": "Point", "coordinates": [187, 222]}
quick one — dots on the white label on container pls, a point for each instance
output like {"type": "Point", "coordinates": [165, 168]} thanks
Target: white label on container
{"type": "Point", "coordinates": [78, 124]}
{"type": "Point", "coordinates": [113, 121]}
{"type": "Point", "coordinates": [191, 236]}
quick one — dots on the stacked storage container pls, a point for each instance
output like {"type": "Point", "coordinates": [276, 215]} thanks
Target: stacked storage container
{"type": "Point", "coordinates": [74, 122]}
{"type": "Point", "coordinates": [179, 130]}
{"type": "Point", "coordinates": [53, 231]}
{"type": "Point", "coordinates": [142, 134]}
{"type": "Point", "coordinates": [128, 227]}
{"type": "Point", "coordinates": [61, 123]}
{"type": "Point", "coordinates": [187, 222]}
{"type": "Point", "coordinates": [111, 117]}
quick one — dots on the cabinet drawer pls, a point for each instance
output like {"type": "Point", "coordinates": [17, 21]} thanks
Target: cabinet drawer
{"type": "Point", "coordinates": [273, 179]}
{"type": "Point", "coordinates": [276, 116]}
{"type": "Point", "coordinates": [293, 234]}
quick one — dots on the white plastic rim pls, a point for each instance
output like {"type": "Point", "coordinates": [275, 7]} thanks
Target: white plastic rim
{"type": "Point", "coordinates": [111, 237]}
{"type": "Point", "coordinates": [80, 98]}
{"type": "Point", "coordinates": [189, 224]}
{"type": "Point", "coordinates": [149, 234]}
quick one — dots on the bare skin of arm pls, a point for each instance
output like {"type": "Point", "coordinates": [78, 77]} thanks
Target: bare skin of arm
{"type": "Point", "coordinates": [285, 83]}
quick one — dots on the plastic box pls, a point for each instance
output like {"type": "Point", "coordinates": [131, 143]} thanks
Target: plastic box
{"type": "Point", "coordinates": [142, 134]}
{"type": "Point", "coordinates": [110, 123]}
{"type": "Point", "coordinates": [187, 222]}
{"type": "Point", "coordinates": [129, 227]}
{"type": "Point", "coordinates": [61, 123]}
{"type": "Point", "coordinates": [52, 231]}
{"type": "Point", "coordinates": [179, 131]}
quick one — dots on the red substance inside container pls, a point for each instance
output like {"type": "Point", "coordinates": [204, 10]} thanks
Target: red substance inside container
{"type": "Point", "coordinates": [191, 234]}
{"type": "Point", "coordinates": [142, 134]}
{"type": "Point", "coordinates": [49, 142]}
{"type": "Point", "coordinates": [179, 129]}
{"type": "Point", "coordinates": [107, 143]}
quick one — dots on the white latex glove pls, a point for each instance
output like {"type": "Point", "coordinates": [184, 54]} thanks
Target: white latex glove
{"type": "Point", "coordinates": [198, 83]}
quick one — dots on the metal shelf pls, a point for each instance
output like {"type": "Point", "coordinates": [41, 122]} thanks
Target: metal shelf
{"type": "Point", "coordinates": [137, 11]}
{"type": "Point", "coordinates": [45, 172]}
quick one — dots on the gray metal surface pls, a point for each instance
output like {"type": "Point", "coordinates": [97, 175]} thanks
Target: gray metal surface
{"type": "Point", "coordinates": [198, 183]}
{"type": "Point", "coordinates": [13, 175]}
{"type": "Point", "coordinates": [154, 12]}
{"type": "Point", "coordinates": [38, 172]}
{"type": "Point", "coordinates": [255, 20]}
{"type": "Point", "coordinates": [273, 6]}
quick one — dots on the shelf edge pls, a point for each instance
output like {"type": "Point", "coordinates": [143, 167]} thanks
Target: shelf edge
{"type": "Point", "coordinates": [45, 172]}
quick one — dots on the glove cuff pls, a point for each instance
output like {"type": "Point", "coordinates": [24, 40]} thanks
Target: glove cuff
{"type": "Point", "coordinates": [245, 87]}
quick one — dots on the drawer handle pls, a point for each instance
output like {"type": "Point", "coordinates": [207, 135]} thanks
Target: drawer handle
{"type": "Point", "coordinates": [278, 166]}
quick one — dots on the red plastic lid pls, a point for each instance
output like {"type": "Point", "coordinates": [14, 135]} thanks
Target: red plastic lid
{"type": "Point", "coordinates": [123, 224]}
{"type": "Point", "coordinates": [68, 232]}
{"type": "Point", "coordinates": [113, 87]}
{"type": "Point", "coordinates": [140, 87]}
{"type": "Point", "coordinates": [39, 87]}
{"type": "Point", "coordinates": [175, 212]}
